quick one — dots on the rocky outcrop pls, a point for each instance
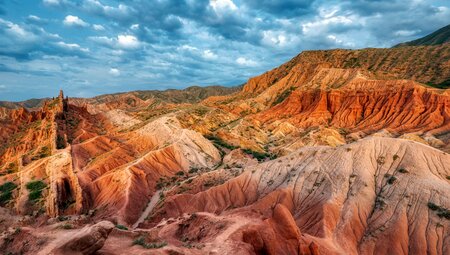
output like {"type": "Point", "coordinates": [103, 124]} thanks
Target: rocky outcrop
{"type": "Point", "coordinates": [87, 241]}
{"type": "Point", "coordinates": [278, 235]}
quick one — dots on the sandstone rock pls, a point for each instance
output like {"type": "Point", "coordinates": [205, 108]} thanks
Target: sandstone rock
{"type": "Point", "coordinates": [87, 241]}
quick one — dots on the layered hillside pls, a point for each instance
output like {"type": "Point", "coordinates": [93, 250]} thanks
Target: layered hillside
{"type": "Point", "coordinates": [334, 152]}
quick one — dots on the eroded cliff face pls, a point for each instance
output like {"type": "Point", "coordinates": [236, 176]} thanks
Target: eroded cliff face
{"type": "Point", "coordinates": [320, 89]}
{"type": "Point", "coordinates": [334, 152]}
{"type": "Point", "coordinates": [362, 198]}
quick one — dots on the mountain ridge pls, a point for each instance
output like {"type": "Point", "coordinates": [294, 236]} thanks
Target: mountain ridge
{"type": "Point", "coordinates": [440, 36]}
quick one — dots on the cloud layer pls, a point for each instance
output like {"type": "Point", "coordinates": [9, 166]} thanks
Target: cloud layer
{"type": "Point", "coordinates": [88, 47]}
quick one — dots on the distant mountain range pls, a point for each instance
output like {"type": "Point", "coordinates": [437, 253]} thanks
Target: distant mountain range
{"type": "Point", "coordinates": [438, 37]}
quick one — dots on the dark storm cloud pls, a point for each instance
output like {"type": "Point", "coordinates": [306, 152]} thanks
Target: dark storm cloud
{"type": "Point", "coordinates": [287, 8]}
{"type": "Point", "coordinates": [151, 44]}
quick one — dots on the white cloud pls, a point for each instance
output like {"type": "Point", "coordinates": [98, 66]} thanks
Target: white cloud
{"type": "Point", "coordinates": [16, 31]}
{"type": "Point", "coordinates": [34, 18]}
{"type": "Point", "coordinates": [103, 40]}
{"type": "Point", "coordinates": [339, 41]}
{"type": "Point", "coordinates": [274, 38]}
{"type": "Point", "coordinates": [71, 20]}
{"type": "Point", "coordinates": [327, 18]}
{"type": "Point", "coordinates": [406, 32]}
{"type": "Point", "coordinates": [71, 46]}
{"type": "Point", "coordinates": [222, 5]}
{"type": "Point", "coordinates": [207, 54]}
{"type": "Point", "coordinates": [128, 41]}
{"type": "Point", "coordinates": [188, 47]}
{"type": "Point", "coordinates": [98, 27]}
{"type": "Point", "coordinates": [245, 62]}
{"type": "Point", "coordinates": [124, 42]}
{"type": "Point", "coordinates": [120, 12]}
{"type": "Point", "coordinates": [114, 72]}
{"type": "Point", "coordinates": [134, 26]}
{"type": "Point", "coordinates": [51, 2]}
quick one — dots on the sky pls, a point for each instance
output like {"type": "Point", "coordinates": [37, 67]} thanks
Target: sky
{"type": "Point", "coordinates": [91, 47]}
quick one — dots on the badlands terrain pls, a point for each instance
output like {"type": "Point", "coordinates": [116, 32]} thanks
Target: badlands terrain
{"type": "Point", "coordinates": [334, 152]}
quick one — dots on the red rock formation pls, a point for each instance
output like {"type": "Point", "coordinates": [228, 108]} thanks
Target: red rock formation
{"type": "Point", "coordinates": [367, 105]}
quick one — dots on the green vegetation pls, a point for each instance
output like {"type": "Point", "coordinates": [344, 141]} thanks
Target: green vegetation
{"type": "Point", "coordinates": [141, 241]}
{"type": "Point", "coordinates": [180, 173]}
{"type": "Point", "coordinates": [66, 226]}
{"type": "Point", "coordinates": [6, 190]}
{"type": "Point", "coordinates": [285, 94]}
{"type": "Point", "coordinates": [121, 227]}
{"type": "Point", "coordinates": [441, 211]}
{"type": "Point", "coordinates": [44, 152]}
{"type": "Point", "coordinates": [60, 142]}
{"type": "Point", "coordinates": [220, 143]}
{"type": "Point", "coordinates": [260, 156]}
{"type": "Point", "coordinates": [62, 218]}
{"type": "Point", "coordinates": [213, 182]}
{"type": "Point", "coordinates": [403, 171]}
{"type": "Point", "coordinates": [35, 188]}
{"type": "Point", "coordinates": [392, 180]}
{"type": "Point", "coordinates": [193, 170]}
{"type": "Point", "coordinates": [433, 206]}
{"type": "Point", "coordinates": [381, 160]}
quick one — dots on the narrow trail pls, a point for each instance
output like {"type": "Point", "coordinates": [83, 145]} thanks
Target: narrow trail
{"type": "Point", "coordinates": [149, 209]}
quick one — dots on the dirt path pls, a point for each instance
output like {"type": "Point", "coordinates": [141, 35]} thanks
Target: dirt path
{"type": "Point", "coordinates": [149, 209]}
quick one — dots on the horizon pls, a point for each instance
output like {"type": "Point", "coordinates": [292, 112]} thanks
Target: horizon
{"type": "Point", "coordinates": [89, 48]}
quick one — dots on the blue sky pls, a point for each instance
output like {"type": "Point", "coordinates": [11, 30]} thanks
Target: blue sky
{"type": "Point", "coordinates": [91, 47]}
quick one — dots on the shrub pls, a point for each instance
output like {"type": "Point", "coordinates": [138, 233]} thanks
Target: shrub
{"type": "Point", "coordinates": [43, 153]}
{"type": "Point", "coordinates": [220, 143]}
{"type": "Point", "coordinates": [121, 227]}
{"type": "Point", "coordinates": [6, 192]}
{"type": "Point", "coordinates": [7, 186]}
{"type": "Point", "coordinates": [62, 218]}
{"type": "Point", "coordinates": [193, 170]}
{"type": "Point", "coordinates": [403, 171]}
{"type": "Point", "coordinates": [35, 195]}
{"type": "Point", "coordinates": [395, 157]}
{"type": "Point", "coordinates": [433, 206]}
{"type": "Point", "coordinates": [440, 211]}
{"type": "Point", "coordinates": [260, 156]}
{"type": "Point", "coordinates": [392, 179]}
{"type": "Point", "coordinates": [180, 173]}
{"type": "Point", "coordinates": [380, 160]}
{"type": "Point", "coordinates": [141, 241]}
{"type": "Point", "coordinates": [35, 188]}
{"type": "Point", "coordinates": [444, 213]}
{"type": "Point", "coordinates": [35, 185]}
{"type": "Point", "coordinates": [12, 168]}
{"type": "Point", "coordinates": [285, 94]}
{"type": "Point", "coordinates": [67, 226]}
{"type": "Point", "coordinates": [60, 142]}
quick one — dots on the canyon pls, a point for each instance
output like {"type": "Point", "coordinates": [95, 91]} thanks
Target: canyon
{"type": "Point", "coordinates": [334, 152]}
